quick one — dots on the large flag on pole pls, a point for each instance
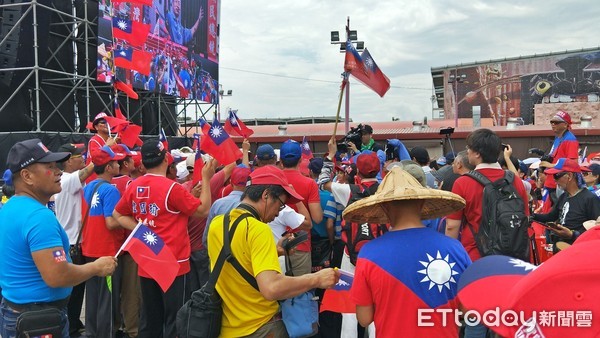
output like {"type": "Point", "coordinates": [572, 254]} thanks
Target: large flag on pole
{"type": "Point", "coordinates": [152, 254]}
{"type": "Point", "coordinates": [365, 70]}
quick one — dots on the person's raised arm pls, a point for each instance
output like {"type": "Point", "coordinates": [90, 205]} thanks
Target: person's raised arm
{"type": "Point", "coordinates": [507, 154]}
{"type": "Point", "coordinates": [207, 173]}
{"type": "Point", "coordinates": [324, 180]}
{"type": "Point", "coordinates": [86, 172]}
{"type": "Point", "coordinates": [245, 153]}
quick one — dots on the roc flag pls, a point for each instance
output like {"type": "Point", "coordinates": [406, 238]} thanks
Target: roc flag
{"type": "Point", "coordinates": [152, 255]}
{"type": "Point", "coordinates": [162, 137]}
{"type": "Point", "coordinates": [183, 91]}
{"type": "Point", "coordinates": [126, 88]}
{"type": "Point", "coordinates": [129, 58]}
{"type": "Point", "coordinates": [134, 32]}
{"type": "Point", "coordinates": [337, 299]}
{"type": "Point", "coordinates": [198, 162]}
{"type": "Point", "coordinates": [365, 70]}
{"type": "Point", "coordinates": [306, 152]}
{"type": "Point", "coordinates": [217, 143]}
{"type": "Point", "coordinates": [235, 126]}
{"type": "Point", "coordinates": [118, 113]}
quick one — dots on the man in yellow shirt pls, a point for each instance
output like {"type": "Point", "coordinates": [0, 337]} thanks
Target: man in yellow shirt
{"type": "Point", "coordinates": [246, 311]}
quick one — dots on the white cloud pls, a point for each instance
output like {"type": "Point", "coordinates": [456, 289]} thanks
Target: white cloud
{"type": "Point", "coordinates": [406, 38]}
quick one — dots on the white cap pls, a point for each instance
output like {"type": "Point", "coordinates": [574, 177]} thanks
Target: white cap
{"type": "Point", "coordinates": [182, 171]}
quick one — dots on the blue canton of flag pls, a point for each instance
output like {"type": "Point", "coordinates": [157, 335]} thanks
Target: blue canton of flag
{"type": "Point", "coordinates": [345, 281]}
{"type": "Point", "coordinates": [217, 133]}
{"type": "Point", "coordinates": [143, 192]}
{"type": "Point", "coordinates": [126, 53]}
{"type": "Point", "coordinates": [233, 118]}
{"type": "Point", "coordinates": [149, 238]}
{"type": "Point", "coordinates": [122, 24]}
{"type": "Point", "coordinates": [59, 256]}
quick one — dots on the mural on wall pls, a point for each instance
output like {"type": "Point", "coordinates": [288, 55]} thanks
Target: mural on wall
{"type": "Point", "coordinates": [511, 88]}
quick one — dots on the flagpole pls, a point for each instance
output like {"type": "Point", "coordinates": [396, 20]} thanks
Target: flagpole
{"type": "Point", "coordinates": [128, 239]}
{"type": "Point", "coordinates": [337, 116]}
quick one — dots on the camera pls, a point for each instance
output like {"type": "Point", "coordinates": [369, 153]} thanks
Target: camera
{"type": "Point", "coordinates": [447, 131]}
{"type": "Point", "coordinates": [354, 135]}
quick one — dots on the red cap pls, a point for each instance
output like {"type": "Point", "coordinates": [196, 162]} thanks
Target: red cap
{"type": "Point", "coordinates": [239, 176]}
{"type": "Point", "coordinates": [562, 116]}
{"type": "Point", "coordinates": [270, 174]}
{"type": "Point", "coordinates": [137, 158]}
{"type": "Point", "coordinates": [566, 164]}
{"type": "Point", "coordinates": [564, 284]}
{"type": "Point", "coordinates": [367, 163]}
{"type": "Point", "coordinates": [104, 155]}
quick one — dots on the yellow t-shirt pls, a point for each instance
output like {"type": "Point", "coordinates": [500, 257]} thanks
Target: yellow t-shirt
{"type": "Point", "coordinates": [245, 310]}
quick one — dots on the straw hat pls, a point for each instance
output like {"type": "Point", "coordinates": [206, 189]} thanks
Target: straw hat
{"type": "Point", "coordinates": [398, 185]}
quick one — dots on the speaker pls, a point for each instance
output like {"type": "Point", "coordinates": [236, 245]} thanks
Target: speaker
{"type": "Point", "coordinates": [17, 50]}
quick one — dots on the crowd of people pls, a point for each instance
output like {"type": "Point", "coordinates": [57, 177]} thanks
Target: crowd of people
{"type": "Point", "coordinates": [405, 226]}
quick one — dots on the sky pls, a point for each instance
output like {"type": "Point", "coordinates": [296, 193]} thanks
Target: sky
{"type": "Point", "coordinates": [277, 58]}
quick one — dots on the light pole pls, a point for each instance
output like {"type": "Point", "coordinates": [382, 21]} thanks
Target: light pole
{"type": "Point", "coordinates": [360, 45]}
{"type": "Point", "coordinates": [454, 79]}
{"type": "Point", "coordinates": [221, 95]}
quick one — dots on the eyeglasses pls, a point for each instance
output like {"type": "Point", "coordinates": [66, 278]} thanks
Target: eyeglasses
{"type": "Point", "coordinates": [587, 173]}
{"type": "Point", "coordinates": [101, 122]}
{"type": "Point", "coordinates": [558, 176]}
{"type": "Point", "coordinates": [282, 203]}
{"type": "Point", "coordinates": [556, 122]}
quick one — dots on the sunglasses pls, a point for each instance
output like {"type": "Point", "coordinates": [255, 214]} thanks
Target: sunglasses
{"type": "Point", "coordinates": [558, 176]}
{"type": "Point", "coordinates": [556, 122]}
{"type": "Point", "coordinates": [587, 173]}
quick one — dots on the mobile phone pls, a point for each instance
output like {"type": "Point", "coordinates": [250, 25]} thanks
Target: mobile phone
{"type": "Point", "coordinates": [504, 146]}
{"type": "Point", "coordinates": [552, 225]}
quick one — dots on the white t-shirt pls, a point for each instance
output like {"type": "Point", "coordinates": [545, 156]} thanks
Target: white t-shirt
{"type": "Point", "coordinates": [287, 217]}
{"type": "Point", "coordinates": [68, 204]}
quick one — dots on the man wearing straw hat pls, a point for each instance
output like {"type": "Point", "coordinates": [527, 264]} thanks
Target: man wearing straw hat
{"type": "Point", "coordinates": [410, 269]}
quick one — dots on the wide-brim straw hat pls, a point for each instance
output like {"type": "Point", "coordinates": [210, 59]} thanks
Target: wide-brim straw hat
{"type": "Point", "coordinates": [398, 185]}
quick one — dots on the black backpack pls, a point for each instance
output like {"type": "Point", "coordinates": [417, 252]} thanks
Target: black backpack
{"type": "Point", "coordinates": [356, 235]}
{"type": "Point", "coordinates": [504, 225]}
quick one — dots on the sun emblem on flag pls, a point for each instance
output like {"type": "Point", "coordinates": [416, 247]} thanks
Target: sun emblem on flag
{"type": "Point", "coordinates": [522, 264]}
{"type": "Point", "coordinates": [123, 53]}
{"type": "Point", "coordinates": [233, 120]}
{"type": "Point", "coordinates": [150, 238]}
{"type": "Point", "coordinates": [95, 200]}
{"type": "Point", "coordinates": [305, 146]}
{"type": "Point", "coordinates": [438, 272]}
{"type": "Point", "coordinates": [369, 63]}
{"type": "Point", "coordinates": [122, 24]}
{"type": "Point", "coordinates": [215, 132]}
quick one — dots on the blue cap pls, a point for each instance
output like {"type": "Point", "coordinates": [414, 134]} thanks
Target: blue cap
{"type": "Point", "coordinates": [290, 150]}
{"type": "Point", "coordinates": [265, 152]}
{"type": "Point", "coordinates": [316, 165]}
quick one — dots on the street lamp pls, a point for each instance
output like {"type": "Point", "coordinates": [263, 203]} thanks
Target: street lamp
{"type": "Point", "coordinates": [221, 95]}
{"type": "Point", "coordinates": [454, 79]}
{"type": "Point", "coordinates": [351, 35]}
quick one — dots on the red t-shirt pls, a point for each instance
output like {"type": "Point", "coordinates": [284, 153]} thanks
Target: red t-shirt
{"type": "Point", "coordinates": [472, 192]}
{"type": "Point", "coordinates": [121, 183]}
{"type": "Point", "coordinates": [166, 206]}
{"type": "Point", "coordinates": [96, 239]}
{"type": "Point", "coordinates": [196, 225]}
{"type": "Point", "coordinates": [308, 189]}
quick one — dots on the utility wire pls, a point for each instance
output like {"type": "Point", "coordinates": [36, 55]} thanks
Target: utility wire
{"type": "Point", "coordinates": [307, 79]}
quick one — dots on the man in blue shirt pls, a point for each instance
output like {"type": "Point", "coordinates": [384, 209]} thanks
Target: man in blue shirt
{"type": "Point", "coordinates": [36, 271]}
{"type": "Point", "coordinates": [178, 33]}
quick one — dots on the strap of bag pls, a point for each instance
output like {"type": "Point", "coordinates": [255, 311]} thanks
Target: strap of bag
{"type": "Point", "coordinates": [87, 213]}
{"type": "Point", "coordinates": [225, 251]}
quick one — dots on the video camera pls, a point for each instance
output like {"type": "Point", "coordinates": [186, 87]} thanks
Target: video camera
{"type": "Point", "coordinates": [354, 135]}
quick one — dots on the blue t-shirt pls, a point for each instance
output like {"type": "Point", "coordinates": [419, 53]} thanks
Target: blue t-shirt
{"type": "Point", "coordinates": [179, 34]}
{"type": "Point", "coordinates": [320, 229]}
{"type": "Point", "coordinates": [27, 226]}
